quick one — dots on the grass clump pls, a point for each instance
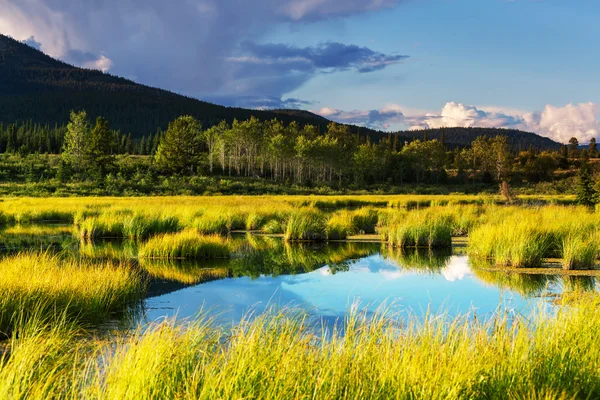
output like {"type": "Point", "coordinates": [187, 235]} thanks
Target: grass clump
{"type": "Point", "coordinates": [135, 226]}
{"type": "Point", "coordinates": [513, 242]}
{"type": "Point", "coordinates": [186, 244]}
{"type": "Point", "coordinates": [340, 225]}
{"type": "Point", "coordinates": [429, 228]}
{"type": "Point", "coordinates": [46, 286]}
{"type": "Point", "coordinates": [306, 225]}
{"type": "Point", "coordinates": [580, 249]}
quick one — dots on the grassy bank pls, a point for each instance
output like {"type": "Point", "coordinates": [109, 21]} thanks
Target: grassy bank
{"type": "Point", "coordinates": [47, 287]}
{"type": "Point", "coordinates": [525, 237]}
{"type": "Point", "coordinates": [283, 355]}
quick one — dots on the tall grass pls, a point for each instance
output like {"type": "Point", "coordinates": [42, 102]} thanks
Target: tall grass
{"type": "Point", "coordinates": [50, 286]}
{"type": "Point", "coordinates": [580, 249]}
{"type": "Point", "coordinates": [284, 355]}
{"type": "Point", "coordinates": [125, 225]}
{"type": "Point", "coordinates": [340, 225]}
{"type": "Point", "coordinates": [306, 225]}
{"type": "Point", "coordinates": [525, 237]}
{"type": "Point", "coordinates": [186, 244]}
{"type": "Point", "coordinates": [428, 228]}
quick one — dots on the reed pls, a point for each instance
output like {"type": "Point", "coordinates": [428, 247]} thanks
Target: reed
{"type": "Point", "coordinates": [187, 244]}
{"type": "Point", "coordinates": [49, 286]}
{"type": "Point", "coordinates": [306, 225]}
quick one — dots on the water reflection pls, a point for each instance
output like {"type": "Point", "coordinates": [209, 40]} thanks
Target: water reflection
{"type": "Point", "coordinates": [322, 278]}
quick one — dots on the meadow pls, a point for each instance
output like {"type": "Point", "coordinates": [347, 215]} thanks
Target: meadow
{"type": "Point", "coordinates": [54, 322]}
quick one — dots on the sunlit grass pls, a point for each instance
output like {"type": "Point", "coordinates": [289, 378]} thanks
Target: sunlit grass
{"type": "Point", "coordinates": [186, 244]}
{"type": "Point", "coordinates": [525, 237]}
{"type": "Point", "coordinates": [306, 225]}
{"type": "Point", "coordinates": [282, 354]}
{"type": "Point", "coordinates": [50, 286]}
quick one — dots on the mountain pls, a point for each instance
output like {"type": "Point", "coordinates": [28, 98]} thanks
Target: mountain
{"type": "Point", "coordinates": [461, 137]}
{"type": "Point", "coordinates": [36, 87]}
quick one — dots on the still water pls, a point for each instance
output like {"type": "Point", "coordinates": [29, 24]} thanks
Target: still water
{"type": "Point", "coordinates": [365, 274]}
{"type": "Point", "coordinates": [324, 279]}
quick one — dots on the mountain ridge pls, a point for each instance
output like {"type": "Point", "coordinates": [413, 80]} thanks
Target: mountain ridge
{"type": "Point", "coordinates": [38, 88]}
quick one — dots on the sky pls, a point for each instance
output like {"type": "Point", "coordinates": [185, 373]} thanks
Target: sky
{"type": "Point", "coordinates": [387, 64]}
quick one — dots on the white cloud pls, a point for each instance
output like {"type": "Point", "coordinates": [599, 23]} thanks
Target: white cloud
{"type": "Point", "coordinates": [457, 269]}
{"type": "Point", "coordinates": [558, 123]}
{"type": "Point", "coordinates": [103, 63]}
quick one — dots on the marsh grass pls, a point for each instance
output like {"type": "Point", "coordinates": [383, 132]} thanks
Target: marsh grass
{"type": "Point", "coordinates": [50, 286]}
{"type": "Point", "coordinates": [521, 237]}
{"type": "Point", "coordinates": [428, 228]}
{"type": "Point", "coordinates": [126, 225]}
{"type": "Point", "coordinates": [282, 354]}
{"type": "Point", "coordinates": [187, 244]}
{"type": "Point", "coordinates": [340, 225]}
{"type": "Point", "coordinates": [306, 225]}
{"type": "Point", "coordinates": [580, 248]}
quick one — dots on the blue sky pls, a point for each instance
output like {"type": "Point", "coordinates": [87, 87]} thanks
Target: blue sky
{"type": "Point", "coordinates": [387, 64]}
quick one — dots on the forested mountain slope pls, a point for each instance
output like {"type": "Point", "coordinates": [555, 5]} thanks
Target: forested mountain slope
{"type": "Point", "coordinates": [39, 89]}
{"type": "Point", "coordinates": [35, 87]}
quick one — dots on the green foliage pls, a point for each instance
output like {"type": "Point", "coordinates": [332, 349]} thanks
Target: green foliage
{"type": "Point", "coordinates": [586, 194]}
{"type": "Point", "coordinates": [76, 139]}
{"type": "Point", "coordinates": [179, 149]}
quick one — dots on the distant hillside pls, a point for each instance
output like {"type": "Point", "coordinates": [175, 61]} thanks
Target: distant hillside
{"type": "Point", "coordinates": [460, 137]}
{"type": "Point", "coordinates": [35, 87]}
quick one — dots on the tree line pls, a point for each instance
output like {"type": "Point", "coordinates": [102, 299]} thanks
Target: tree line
{"type": "Point", "coordinates": [303, 155]}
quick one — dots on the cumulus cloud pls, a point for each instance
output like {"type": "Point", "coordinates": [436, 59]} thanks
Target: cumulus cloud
{"type": "Point", "coordinates": [182, 45]}
{"type": "Point", "coordinates": [558, 123]}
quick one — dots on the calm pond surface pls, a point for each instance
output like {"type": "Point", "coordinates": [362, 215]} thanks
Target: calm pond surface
{"type": "Point", "coordinates": [324, 279]}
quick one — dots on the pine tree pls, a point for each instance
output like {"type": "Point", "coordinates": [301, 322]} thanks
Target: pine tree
{"type": "Point", "coordinates": [99, 148]}
{"type": "Point", "coordinates": [573, 147]}
{"type": "Point", "coordinates": [180, 148]}
{"type": "Point", "coordinates": [586, 194]}
{"type": "Point", "coordinates": [593, 149]}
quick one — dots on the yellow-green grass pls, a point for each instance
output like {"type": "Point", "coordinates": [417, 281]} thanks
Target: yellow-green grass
{"type": "Point", "coordinates": [427, 228]}
{"type": "Point", "coordinates": [185, 207]}
{"type": "Point", "coordinates": [37, 230]}
{"type": "Point", "coordinates": [525, 237]}
{"type": "Point", "coordinates": [306, 225]}
{"type": "Point", "coordinates": [136, 226]}
{"type": "Point", "coordinates": [283, 355]}
{"type": "Point", "coordinates": [49, 286]}
{"type": "Point", "coordinates": [187, 244]}
{"type": "Point", "coordinates": [340, 225]}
